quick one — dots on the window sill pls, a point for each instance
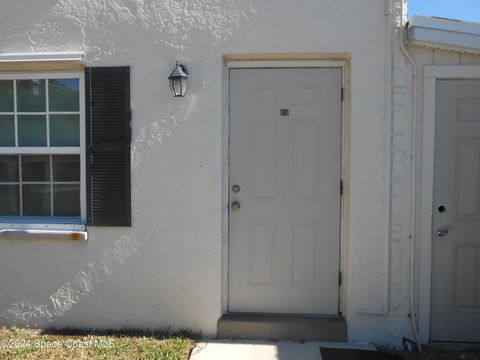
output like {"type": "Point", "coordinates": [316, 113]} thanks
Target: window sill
{"type": "Point", "coordinates": [32, 234]}
{"type": "Point", "coordinates": [39, 228]}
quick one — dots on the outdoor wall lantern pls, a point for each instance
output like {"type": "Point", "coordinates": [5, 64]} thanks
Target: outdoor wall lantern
{"type": "Point", "coordinates": [178, 80]}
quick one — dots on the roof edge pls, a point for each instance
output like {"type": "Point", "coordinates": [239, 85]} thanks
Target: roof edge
{"type": "Point", "coordinates": [445, 34]}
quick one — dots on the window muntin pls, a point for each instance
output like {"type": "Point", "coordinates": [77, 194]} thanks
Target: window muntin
{"type": "Point", "coordinates": [42, 162]}
{"type": "Point", "coordinates": [40, 185]}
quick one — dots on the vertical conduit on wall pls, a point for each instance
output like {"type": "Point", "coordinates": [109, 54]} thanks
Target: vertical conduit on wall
{"type": "Point", "coordinates": [388, 145]}
{"type": "Point", "coordinates": [413, 180]}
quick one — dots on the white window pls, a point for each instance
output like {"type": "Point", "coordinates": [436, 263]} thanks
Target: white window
{"type": "Point", "coordinates": [42, 143]}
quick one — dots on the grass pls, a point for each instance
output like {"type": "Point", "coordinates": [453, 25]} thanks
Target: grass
{"type": "Point", "coordinates": [69, 344]}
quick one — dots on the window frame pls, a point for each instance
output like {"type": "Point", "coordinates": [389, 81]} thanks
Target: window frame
{"type": "Point", "coordinates": [49, 222]}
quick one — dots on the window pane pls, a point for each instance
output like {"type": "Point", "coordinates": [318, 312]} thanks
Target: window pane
{"type": "Point", "coordinates": [36, 200]}
{"type": "Point", "coordinates": [64, 130]}
{"type": "Point", "coordinates": [9, 200]}
{"type": "Point", "coordinates": [7, 130]}
{"type": "Point", "coordinates": [8, 168]}
{"type": "Point", "coordinates": [63, 94]}
{"type": "Point", "coordinates": [35, 168]}
{"type": "Point", "coordinates": [66, 167]}
{"type": "Point", "coordinates": [66, 200]}
{"type": "Point", "coordinates": [31, 95]}
{"type": "Point", "coordinates": [6, 96]}
{"type": "Point", "coordinates": [32, 130]}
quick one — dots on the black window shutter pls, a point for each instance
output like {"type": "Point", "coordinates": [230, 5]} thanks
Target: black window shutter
{"type": "Point", "coordinates": [108, 137]}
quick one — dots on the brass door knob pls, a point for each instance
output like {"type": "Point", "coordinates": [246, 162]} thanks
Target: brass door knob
{"type": "Point", "coordinates": [236, 206]}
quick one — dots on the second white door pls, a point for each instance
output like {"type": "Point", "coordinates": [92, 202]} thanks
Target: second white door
{"type": "Point", "coordinates": [455, 309]}
{"type": "Point", "coordinates": [285, 172]}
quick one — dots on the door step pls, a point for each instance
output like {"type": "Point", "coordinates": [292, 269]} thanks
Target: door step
{"type": "Point", "coordinates": [282, 327]}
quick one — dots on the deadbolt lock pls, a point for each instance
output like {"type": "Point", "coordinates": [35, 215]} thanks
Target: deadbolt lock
{"type": "Point", "coordinates": [235, 188]}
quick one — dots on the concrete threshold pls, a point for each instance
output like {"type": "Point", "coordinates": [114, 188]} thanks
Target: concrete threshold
{"type": "Point", "coordinates": [282, 327]}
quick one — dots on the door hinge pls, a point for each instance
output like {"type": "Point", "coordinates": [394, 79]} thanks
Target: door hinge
{"type": "Point", "coordinates": [341, 187]}
{"type": "Point", "coordinates": [342, 96]}
{"type": "Point", "coordinates": [339, 278]}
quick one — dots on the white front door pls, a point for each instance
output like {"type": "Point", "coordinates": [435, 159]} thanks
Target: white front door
{"type": "Point", "coordinates": [285, 172]}
{"type": "Point", "coordinates": [455, 312]}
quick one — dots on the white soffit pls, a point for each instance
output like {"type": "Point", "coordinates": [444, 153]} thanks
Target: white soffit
{"type": "Point", "coordinates": [445, 34]}
{"type": "Point", "coordinates": [47, 56]}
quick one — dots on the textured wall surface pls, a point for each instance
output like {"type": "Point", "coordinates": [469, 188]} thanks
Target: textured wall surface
{"type": "Point", "coordinates": [167, 269]}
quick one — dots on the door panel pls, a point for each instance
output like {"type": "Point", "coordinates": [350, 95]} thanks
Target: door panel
{"type": "Point", "coordinates": [455, 305]}
{"type": "Point", "coordinates": [285, 155]}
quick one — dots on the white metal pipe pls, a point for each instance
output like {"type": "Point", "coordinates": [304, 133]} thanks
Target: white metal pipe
{"type": "Point", "coordinates": [413, 181]}
{"type": "Point", "coordinates": [388, 144]}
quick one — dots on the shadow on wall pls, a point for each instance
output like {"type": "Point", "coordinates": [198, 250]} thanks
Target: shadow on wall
{"type": "Point", "coordinates": [60, 25]}
{"type": "Point", "coordinates": [101, 27]}
{"type": "Point", "coordinates": [28, 312]}
{"type": "Point", "coordinates": [24, 17]}
{"type": "Point", "coordinates": [42, 313]}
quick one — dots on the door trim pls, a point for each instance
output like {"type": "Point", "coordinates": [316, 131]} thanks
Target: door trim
{"type": "Point", "coordinates": [287, 63]}
{"type": "Point", "coordinates": [431, 74]}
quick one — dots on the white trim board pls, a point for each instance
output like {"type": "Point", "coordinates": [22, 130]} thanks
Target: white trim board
{"type": "Point", "coordinates": [47, 56]}
{"type": "Point", "coordinates": [285, 64]}
{"type": "Point", "coordinates": [432, 73]}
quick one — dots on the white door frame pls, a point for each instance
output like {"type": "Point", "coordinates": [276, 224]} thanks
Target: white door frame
{"type": "Point", "coordinates": [431, 74]}
{"type": "Point", "coordinates": [268, 64]}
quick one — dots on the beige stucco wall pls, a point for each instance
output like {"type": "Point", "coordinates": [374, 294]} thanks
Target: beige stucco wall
{"type": "Point", "coordinates": [166, 270]}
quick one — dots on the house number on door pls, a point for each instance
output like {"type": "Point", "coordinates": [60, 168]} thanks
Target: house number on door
{"type": "Point", "coordinates": [284, 112]}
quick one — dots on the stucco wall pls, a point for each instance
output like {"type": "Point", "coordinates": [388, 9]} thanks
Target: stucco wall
{"type": "Point", "coordinates": [167, 269]}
